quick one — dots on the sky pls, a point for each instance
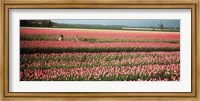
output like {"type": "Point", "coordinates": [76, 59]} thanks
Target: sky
{"type": "Point", "coordinates": [129, 22]}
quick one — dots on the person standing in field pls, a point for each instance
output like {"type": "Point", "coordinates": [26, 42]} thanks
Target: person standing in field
{"type": "Point", "coordinates": [61, 37]}
{"type": "Point", "coordinates": [76, 39]}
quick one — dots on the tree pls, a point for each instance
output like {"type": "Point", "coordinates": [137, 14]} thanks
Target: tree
{"type": "Point", "coordinates": [36, 23]}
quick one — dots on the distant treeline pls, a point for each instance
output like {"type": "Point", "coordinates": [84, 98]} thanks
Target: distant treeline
{"type": "Point", "coordinates": [117, 27]}
{"type": "Point", "coordinates": [49, 23]}
{"type": "Point", "coordinates": [36, 23]}
{"type": "Point", "coordinates": [87, 26]}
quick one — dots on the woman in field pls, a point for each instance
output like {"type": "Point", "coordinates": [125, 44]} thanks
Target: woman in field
{"type": "Point", "coordinates": [61, 37]}
{"type": "Point", "coordinates": [76, 39]}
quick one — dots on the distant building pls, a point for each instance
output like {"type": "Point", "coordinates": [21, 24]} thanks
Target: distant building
{"type": "Point", "coordinates": [132, 28]}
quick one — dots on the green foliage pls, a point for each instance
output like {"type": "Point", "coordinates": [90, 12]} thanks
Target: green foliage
{"type": "Point", "coordinates": [86, 49]}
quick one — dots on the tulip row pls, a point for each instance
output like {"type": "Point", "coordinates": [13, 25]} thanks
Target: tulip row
{"type": "Point", "coordinates": [99, 35]}
{"type": "Point", "coordinates": [65, 44]}
{"type": "Point", "coordinates": [106, 73]}
{"type": "Point", "coordinates": [70, 46]}
{"type": "Point", "coordinates": [128, 66]}
{"type": "Point", "coordinates": [45, 37]}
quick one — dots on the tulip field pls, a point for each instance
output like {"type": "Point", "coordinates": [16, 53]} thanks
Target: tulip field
{"type": "Point", "coordinates": [98, 55]}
